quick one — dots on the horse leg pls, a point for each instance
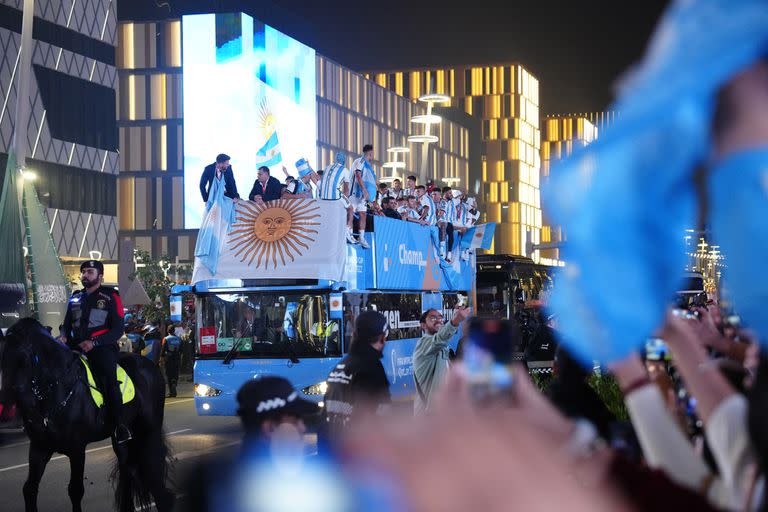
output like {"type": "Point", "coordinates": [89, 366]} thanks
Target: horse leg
{"type": "Point", "coordinates": [38, 459]}
{"type": "Point", "coordinates": [76, 470]}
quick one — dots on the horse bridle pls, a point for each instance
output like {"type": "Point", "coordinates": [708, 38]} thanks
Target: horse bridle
{"type": "Point", "coordinates": [42, 394]}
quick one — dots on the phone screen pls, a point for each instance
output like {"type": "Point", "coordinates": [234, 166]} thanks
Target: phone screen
{"type": "Point", "coordinates": [655, 349]}
{"type": "Point", "coordinates": [488, 355]}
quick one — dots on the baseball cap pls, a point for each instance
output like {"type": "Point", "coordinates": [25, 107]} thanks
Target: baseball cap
{"type": "Point", "coordinates": [268, 394]}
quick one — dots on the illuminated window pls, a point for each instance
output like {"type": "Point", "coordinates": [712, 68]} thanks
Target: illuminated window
{"type": "Point", "coordinates": [158, 96]}
{"type": "Point", "coordinates": [173, 44]}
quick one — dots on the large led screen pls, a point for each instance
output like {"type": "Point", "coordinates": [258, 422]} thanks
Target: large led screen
{"type": "Point", "coordinates": [249, 92]}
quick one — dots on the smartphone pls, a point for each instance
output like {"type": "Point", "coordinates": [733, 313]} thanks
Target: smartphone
{"type": "Point", "coordinates": [488, 355]}
{"type": "Point", "coordinates": [462, 301]}
{"type": "Point", "coordinates": [655, 349]}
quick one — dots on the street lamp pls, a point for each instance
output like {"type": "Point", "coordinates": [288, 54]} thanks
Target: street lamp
{"type": "Point", "coordinates": [426, 119]}
{"type": "Point", "coordinates": [451, 180]}
{"type": "Point", "coordinates": [426, 138]}
{"type": "Point", "coordinates": [29, 175]}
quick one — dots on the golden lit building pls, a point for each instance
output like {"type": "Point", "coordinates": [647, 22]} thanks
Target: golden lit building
{"type": "Point", "coordinates": [560, 136]}
{"type": "Point", "coordinates": [351, 111]}
{"type": "Point", "coordinates": [506, 98]}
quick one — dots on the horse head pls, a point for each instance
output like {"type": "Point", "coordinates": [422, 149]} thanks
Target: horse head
{"type": "Point", "coordinates": [28, 352]}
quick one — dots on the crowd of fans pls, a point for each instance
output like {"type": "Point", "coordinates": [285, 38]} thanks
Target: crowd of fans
{"type": "Point", "coordinates": [682, 426]}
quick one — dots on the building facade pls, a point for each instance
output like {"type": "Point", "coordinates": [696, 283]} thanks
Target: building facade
{"type": "Point", "coordinates": [351, 111]}
{"type": "Point", "coordinates": [560, 136]}
{"type": "Point", "coordinates": [71, 134]}
{"type": "Point", "coordinates": [506, 98]}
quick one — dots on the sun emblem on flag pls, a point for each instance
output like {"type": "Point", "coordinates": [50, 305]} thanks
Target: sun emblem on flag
{"type": "Point", "coordinates": [265, 119]}
{"type": "Point", "coordinates": [273, 232]}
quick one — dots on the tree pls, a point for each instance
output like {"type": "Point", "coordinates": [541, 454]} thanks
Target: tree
{"type": "Point", "coordinates": [153, 275]}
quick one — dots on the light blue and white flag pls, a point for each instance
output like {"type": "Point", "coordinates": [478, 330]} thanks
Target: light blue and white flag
{"type": "Point", "coordinates": [479, 237]}
{"type": "Point", "coordinates": [296, 238]}
{"type": "Point", "coordinates": [269, 154]}
{"type": "Point", "coordinates": [369, 178]}
{"type": "Point", "coordinates": [219, 216]}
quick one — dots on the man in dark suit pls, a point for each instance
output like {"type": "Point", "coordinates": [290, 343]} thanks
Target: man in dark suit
{"type": "Point", "coordinates": [266, 187]}
{"type": "Point", "coordinates": [213, 171]}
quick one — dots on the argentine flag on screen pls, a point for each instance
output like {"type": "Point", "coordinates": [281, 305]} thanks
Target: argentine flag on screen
{"type": "Point", "coordinates": [478, 237]}
{"type": "Point", "coordinates": [269, 154]}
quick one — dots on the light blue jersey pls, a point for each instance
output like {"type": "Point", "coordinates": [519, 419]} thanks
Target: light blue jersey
{"type": "Point", "coordinates": [334, 176]}
{"type": "Point", "coordinates": [431, 216]}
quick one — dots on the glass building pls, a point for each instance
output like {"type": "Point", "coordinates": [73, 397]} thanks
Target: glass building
{"type": "Point", "coordinates": [506, 98]}
{"type": "Point", "coordinates": [351, 111]}
{"type": "Point", "coordinates": [71, 133]}
{"type": "Point", "coordinates": [560, 136]}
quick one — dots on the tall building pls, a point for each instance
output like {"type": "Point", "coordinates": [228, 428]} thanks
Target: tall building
{"type": "Point", "coordinates": [71, 134]}
{"type": "Point", "coordinates": [351, 111]}
{"type": "Point", "coordinates": [506, 98]}
{"type": "Point", "coordinates": [560, 136]}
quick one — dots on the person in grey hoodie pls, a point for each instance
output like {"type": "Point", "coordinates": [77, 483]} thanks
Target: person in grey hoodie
{"type": "Point", "coordinates": [430, 357]}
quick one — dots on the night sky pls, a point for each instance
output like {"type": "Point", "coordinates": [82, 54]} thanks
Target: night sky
{"type": "Point", "coordinates": [575, 48]}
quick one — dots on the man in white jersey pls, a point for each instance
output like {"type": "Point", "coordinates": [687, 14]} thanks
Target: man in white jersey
{"type": "Point", "coordinates": [412, 211]}
{"type": "Point", "coordinates": [363, 189]}
{"type": "Point", "coordinates": [396, 190]}
{"type": "Point", "coordinates": [410, 186]}
{"type": "Point", "coordinates": [427, 206]}
{"type": "Point", "coordinates": [335, 185]}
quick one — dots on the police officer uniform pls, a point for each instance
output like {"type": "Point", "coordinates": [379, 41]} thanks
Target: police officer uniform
{"type": "Point", "coordinates": [172, 357]}
{"type": "Point", "coordinates": [98, 317]}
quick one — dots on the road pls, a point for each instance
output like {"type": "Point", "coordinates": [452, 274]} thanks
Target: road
{"type": "Point", "coordinates": [190, 438]}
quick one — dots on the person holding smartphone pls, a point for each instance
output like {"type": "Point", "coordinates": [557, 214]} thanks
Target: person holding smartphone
{"type": "Point", "coordinates": [431, 357]}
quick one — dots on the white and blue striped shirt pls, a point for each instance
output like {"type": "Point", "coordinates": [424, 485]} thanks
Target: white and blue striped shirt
{"type": "Point", "coordinates": [334, 176]}
{"type": "Point", "coordinates": [431, 216]}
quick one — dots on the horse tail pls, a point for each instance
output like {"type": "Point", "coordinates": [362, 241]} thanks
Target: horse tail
{"type": "Point", "coordinates": [142, 480]}
{"type": "Point", "coordinates": [148, 458]}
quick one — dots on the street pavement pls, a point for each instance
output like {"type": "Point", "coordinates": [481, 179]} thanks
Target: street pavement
{"type": "Point", "coordinates": [190, 437]}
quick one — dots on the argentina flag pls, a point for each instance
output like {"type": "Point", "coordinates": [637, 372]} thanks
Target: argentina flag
{"type": "Point", "coordinates": [219, 216]}
{"type": "Point", "coordinates": [479, 237]}
{"type": "Point", "coordinates": [269, 154]}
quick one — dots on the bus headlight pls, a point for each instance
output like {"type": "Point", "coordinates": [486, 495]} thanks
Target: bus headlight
{"type": "Point", "coordinates": [203, 390]}
{"type": "Point", "coordinates": [316, 389]}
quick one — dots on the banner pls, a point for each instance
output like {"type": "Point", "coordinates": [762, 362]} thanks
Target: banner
{"type": "Point", "coordinates": [293, 238]}
{"type": "Point", "coordinates": [408, 258]}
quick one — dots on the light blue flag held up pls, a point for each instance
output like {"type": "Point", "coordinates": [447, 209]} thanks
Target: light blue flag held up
{"type": "Point", "coordinates": [218, 218]}
{"type": "Point", "coordinates": [479, 237]}
{"type": "Point", "coordinates": [626, 199]}
{"type": "Point", "coordinates": [269, 154]}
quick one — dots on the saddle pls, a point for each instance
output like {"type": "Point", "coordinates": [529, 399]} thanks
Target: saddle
{"type": "Point", "coordinates": [124, 383]}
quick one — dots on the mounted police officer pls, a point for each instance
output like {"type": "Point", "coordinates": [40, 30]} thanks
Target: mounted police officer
{"type": "Point", "coordinates": [93, 325]}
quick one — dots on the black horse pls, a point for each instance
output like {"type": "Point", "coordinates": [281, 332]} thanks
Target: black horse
{"type": "Point", "coordinates": [48, 384]}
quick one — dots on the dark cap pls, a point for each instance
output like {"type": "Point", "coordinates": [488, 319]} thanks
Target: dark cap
{"type": "Point", "coordinates": [92, 264]}
{"type": "Point", "coordinates": [265, 395]}
{"type": "Point", "coordinates": [370, 324]}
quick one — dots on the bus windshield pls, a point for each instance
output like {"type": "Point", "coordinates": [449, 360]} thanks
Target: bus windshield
{"type": "Point", "coordinates": [266, 325]}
